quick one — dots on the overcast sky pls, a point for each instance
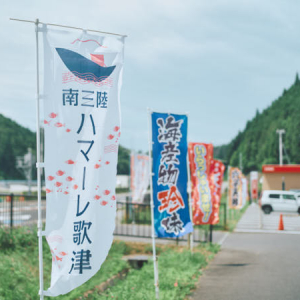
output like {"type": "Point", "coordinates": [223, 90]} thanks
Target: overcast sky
{"type": "Point", "coordinates": [217, 60]}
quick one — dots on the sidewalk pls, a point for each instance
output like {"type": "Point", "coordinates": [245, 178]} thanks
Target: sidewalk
{"type": "Point", "coordinates": [255, 221]}
{"type": "Point", "coordinates": [253, 266]}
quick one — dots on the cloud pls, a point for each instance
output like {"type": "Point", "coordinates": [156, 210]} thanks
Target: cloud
{"type": "Point", "coordinates": [219, 60]}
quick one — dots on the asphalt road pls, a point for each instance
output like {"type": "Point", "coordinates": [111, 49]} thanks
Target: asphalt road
{"type": "Point", "coordinates": [253, 266]}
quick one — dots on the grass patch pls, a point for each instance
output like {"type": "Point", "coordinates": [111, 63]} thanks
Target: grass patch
{"type": "Point", "coordinates": [139, 214]}
{"type": "Point", "coordinates": [19, 277]}
{"type": "Point", "coordinates": [112, 266]}
{"type": "Point", "coordinates": [234, 215]}
{"type": "Point", "coordinates": [122, 190]}
{"type": "Point", "coordinates": [178, 272]}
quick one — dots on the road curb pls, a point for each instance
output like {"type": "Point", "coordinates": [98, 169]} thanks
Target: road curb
{"type": "Point", "coordinates": [265, 231]}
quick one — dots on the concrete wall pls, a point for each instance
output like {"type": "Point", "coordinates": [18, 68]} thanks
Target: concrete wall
{"type": "Point", "coordinates": [273, 181]}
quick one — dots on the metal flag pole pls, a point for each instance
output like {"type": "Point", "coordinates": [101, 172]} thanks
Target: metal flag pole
{"type": "Point", "coordinates": [190, 200]}
{"type": "Point", "coordinates": [191, 235]}
{"type": "Point", "coordinates": [38, 164]}
{"type": "Point", "coordinates": [71, 27]}
{"type": "Point", "coordinates": [131, 172]}
{"type": "Point", "coordinates": [155, 264]}
{"type": "Point", "coordinates": [132, 207]}
{"type": "Point", "coordinates": [228, 188]}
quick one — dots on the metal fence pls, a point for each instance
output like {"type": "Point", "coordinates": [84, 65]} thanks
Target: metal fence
{"type": "Point", "coordinates": [131, 220]}
{"type": "Point", "coordinates": [20, 210]}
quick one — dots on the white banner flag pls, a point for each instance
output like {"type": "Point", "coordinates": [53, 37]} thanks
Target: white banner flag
{"type": "Point", "coordinates": [244, 190]}
{"type": "Point", "coordinates": [140, 176]}
{"type": "Point", "coordinates": [83, 77]}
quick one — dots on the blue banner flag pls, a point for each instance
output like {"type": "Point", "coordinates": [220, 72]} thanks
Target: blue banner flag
{"type": "Point", "coordinates": [169, 180]}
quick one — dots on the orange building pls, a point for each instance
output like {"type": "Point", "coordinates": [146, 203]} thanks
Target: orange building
{"type": "Point", "coordinates": [275, 177]}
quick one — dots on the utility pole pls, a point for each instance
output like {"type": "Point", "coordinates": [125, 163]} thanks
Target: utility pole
{"type": "Point", "coordinates": [280, 132]}
{"type": "Point", "coordinates": [24, 163]}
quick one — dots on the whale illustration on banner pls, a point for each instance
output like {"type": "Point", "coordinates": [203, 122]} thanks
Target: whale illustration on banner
{"type": "Point", "coordinates": [82, 67]}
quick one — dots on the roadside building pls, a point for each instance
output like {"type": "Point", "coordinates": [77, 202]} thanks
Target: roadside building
{"type": "Point", "coordinates": [281, 177]}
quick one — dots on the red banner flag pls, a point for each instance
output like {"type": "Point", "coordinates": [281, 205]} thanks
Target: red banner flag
{"type": "Point", "coordinates": [200, 156]}
{"type": "Point", "coordinates": [254, 184]}
{"type": "Point", "coordinates": [217, 169]}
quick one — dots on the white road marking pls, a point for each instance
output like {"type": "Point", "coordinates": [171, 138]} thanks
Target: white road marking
{"type": "Point", "coordinates": [223, 238]}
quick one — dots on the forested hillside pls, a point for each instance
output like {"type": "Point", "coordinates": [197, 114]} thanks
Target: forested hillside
{"type": "Point", "coordinates": [15, 140]}
{"type": "Point", "coordinates": [258, 143]}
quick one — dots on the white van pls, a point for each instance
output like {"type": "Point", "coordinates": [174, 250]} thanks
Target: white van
{"type": "Point", "coordinates": [279, 201]}
{"type": "Point", "coordinates": [297, 194]}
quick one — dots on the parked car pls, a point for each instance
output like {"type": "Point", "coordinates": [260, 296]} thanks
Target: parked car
{"type": "Point", "coordinates": [279, 201]}
{"type": "Point", "coordinates": [298, 200]}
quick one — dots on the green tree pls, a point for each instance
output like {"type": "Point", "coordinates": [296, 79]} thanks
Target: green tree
{"type": "Point", "coordinates": [15, 141]}
{"type": "Point", "coordinates": [258, 142]}
{"type": "Point", "coordinates": [123, 167]}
